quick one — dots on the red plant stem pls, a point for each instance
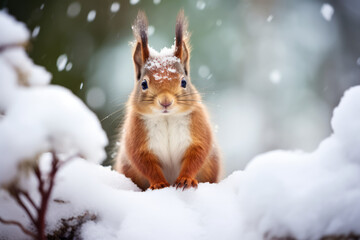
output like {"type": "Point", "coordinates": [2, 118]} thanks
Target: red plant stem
{"type": "Point", "coordinates": [45, 196]}
{"type": "Point", "coordinates": [45, 188]}
{"type": "Point", "coordinates": [21, 203]}
{"type": "Point", "coordinates": [26, 231]}
{"type": "Point", "coordinates": [27, 196]}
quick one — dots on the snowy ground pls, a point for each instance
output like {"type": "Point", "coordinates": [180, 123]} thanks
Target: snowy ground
{"type": "Point", "coordinates": [304, 195]}
{"type": "Point", "coordinates": [279, 194]}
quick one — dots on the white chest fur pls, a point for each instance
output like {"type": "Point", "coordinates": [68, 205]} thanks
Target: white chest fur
{"type": "Point", "coordinates": [168, 139]}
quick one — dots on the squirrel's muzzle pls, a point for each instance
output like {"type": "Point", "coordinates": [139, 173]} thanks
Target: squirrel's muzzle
{"type": "Point", "coordinates": [165, 100]}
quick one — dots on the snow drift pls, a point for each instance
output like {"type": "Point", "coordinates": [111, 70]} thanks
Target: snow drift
{"type": "Point", "coordinates": [279, 194]}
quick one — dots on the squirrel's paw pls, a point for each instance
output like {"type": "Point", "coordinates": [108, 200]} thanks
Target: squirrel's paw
{"type": "Point", "coordinates": [159, 185]}
{"type": "Point", "coordinates": [185, 182]}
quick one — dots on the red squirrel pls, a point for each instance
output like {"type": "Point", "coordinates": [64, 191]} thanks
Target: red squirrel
{"type": "Point", "coordinates": [166, 137]}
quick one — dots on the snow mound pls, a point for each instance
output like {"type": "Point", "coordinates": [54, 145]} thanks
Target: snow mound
{"type": "Point", "coordinates": [346, 124]}
{"type": "Point", "coordinates": [49, 118]}
{"type": "Point", "coordinates": [124, 212]}
{"type": "Point", "coordinates": [308, 195]}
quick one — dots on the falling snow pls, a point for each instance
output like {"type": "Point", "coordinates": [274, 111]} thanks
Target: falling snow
{"type": "Point", "coordinates": [358, 61]}
{"type": "Point", "coordinates": [61, 62]}
{"type": "Point", "coordinates": [275, 76]}
{"type": "Point", "coordinates": [91, 16]}
{"type": "Point", "coordinates": [73, 9]}
{"type": "Point", "coordinates": [68, 66]}
{"type": "Point", "coordinates": [327, 11]}
{"type": "Point", "coordinates": [200, 5]}
{"type": "Point", "coordinates": [204, 71]}
{"type": "Point", "coordinates": [35, 32]}
{"type": "Point", "coordinates": [115, 7]}
{"type": "Point", "coordinates": [216, 128]}
{"type": "Point", "coordinates": [95, 97]}
{"type": "Point", "coordinates": [133, 2]}
{"type": "Point", "coordinates": [151, 30]}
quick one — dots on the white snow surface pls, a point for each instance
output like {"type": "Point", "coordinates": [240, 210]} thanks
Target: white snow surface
{"type": "Point", "coordinates": [164, 52]}
{"type": "Point", "coordinates": [49, 118]}
{"type": "Point", "coordinates": [280, 193]}
{"type": "Point", "coordinates": [17, 69]}
{"type": "Point", "coordinates": [28, 72]}
{"type": "Point", "coordinates": [8, 84]}
{"type": "Point", "coordinates": [12, 31]}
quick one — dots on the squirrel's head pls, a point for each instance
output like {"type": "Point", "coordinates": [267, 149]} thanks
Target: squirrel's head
{"type": "Point", "coordinates": [162, 79]}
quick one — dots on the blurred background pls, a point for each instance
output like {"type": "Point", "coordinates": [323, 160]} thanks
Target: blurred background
{"type": "Point", "coordinates": [271, 71]}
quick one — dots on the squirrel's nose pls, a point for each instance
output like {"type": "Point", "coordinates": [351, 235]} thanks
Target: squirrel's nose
{"type": "Point", "coordinates": [165, 103]}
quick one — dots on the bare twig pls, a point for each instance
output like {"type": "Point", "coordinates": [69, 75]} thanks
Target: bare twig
{"type": "Point", "coordinates": [45, 187]}
{"type": "Point", "coordinates": [45, 194]}
{"type": "Point", "coordinates": [26, 231]}
{"type": "Point", "coordinates": [27, 196]}
{"type": "Point", "coordinates": [23, 206]}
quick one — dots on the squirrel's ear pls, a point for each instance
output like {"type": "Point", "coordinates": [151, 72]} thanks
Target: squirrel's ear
{"type": "Point", "coordinates": [182, 46]}
{"type": "Point", "coordinates": [141, 49]}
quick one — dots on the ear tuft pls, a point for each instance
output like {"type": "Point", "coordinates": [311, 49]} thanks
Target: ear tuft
{"type": "Point", "coordinates": [140, 29]}
{"type": "Point", "coordinates": [141, 49]}
{"type": "Point", "coordinates": [182, 46]}
{"type": "Point", "coordinates": [181, 33]}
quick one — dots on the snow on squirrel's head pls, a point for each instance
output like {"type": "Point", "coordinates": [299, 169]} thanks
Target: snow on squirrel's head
{"type": "Point", "coordinates": [162, 85]}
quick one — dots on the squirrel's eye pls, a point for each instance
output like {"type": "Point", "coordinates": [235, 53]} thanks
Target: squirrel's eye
{"type": "Point", "coordinates": [144, 85]}
{"type": "Point", "coordinates": [183, 83]}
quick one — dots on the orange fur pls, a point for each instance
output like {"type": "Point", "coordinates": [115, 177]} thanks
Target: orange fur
{"type": "Point", "coordinates": [200, 161]}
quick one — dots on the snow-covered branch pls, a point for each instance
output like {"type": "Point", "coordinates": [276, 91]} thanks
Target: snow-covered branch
{"type": "Point", "coordinates": [37, 118]}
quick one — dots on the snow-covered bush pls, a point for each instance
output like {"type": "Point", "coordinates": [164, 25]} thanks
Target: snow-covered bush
{"type": "Point", "coordinates": [37, 118]}
{"type": "Point", "coordinates": [280, 194]}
